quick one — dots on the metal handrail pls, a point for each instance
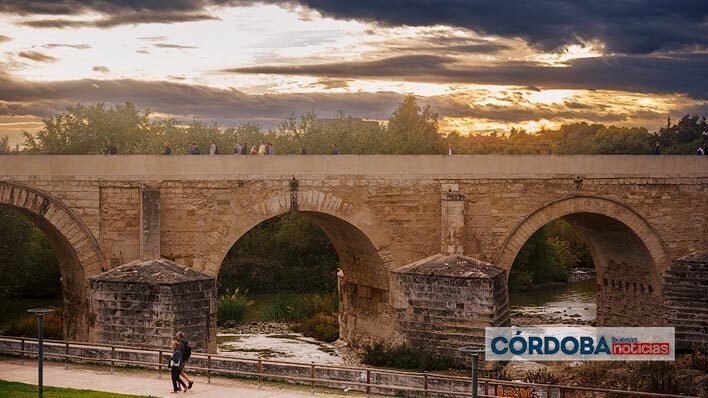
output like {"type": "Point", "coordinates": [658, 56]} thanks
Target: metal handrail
{"type": "Point", "coordinates": [260, 374]}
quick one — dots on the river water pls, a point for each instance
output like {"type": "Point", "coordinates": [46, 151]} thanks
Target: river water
{"type": "Point", "coordinates": [555, 305]}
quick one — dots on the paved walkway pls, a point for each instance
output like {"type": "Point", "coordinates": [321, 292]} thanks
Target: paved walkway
{"type": "Point", "coordinates": [139, 382]}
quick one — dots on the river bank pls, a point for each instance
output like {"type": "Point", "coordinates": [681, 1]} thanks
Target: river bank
{"type": "Point", "coordinates": [277, 341]}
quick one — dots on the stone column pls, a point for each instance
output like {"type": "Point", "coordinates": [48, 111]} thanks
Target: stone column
{"type": "Point", "coordinates": [149, 223]}
{"type": "Point", "coordinates": [452, 220]}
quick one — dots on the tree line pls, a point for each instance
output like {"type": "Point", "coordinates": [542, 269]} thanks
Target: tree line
{"type": "Point", "coordinates": [411, 129]}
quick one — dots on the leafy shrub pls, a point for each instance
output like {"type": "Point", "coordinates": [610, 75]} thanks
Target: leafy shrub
{"type": "Point", "coordinates": [542, 375]}
{"type": "Point", "coordinates": [661, 377]}
{"type": "Point", "coordinates": [292, 307]}
{"type": "Point", "coordinates": [497, 370]}
{"type": "Point", "coordinates": [26, 326]}
{"type": "Point", "coordinates": [231, 308]}
{"type": "Point", "coordinates": [403, 357]}
{"type": "Point", "coordinates": [698, 361]}
{"type": "Point", "coordinates": [321, 326]}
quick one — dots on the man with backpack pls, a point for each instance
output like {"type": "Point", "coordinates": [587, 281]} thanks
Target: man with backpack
{"type": "Point", "coordinates": [186, 353]}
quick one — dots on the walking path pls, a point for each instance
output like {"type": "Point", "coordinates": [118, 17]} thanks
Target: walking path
{"type": "Point", "coordinates": [139, 382]}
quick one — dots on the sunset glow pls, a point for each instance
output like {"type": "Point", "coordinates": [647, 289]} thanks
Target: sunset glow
{"type": "Point", "coordinates": [268, 60]}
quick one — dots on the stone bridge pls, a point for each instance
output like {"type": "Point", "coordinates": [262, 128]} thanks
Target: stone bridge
{"type": "Point", "coordinates": [636, 213]}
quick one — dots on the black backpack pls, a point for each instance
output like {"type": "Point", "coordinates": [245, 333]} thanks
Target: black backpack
{"type": "Point", "coordinates": [187, 352]}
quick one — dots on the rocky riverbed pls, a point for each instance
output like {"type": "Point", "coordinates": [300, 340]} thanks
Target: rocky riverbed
{"type": "Point", "coordinates": [276, 341]}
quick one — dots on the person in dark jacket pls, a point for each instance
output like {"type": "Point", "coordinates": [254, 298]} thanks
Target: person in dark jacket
{"type": "Point", "coordinates": [656, 149]}
{"type": "Point", "coordinates": [175, 367]}
{"type": "Point", "coordinates": [110, 149]}
{"type": "Point", "coordinates": [183, 343]}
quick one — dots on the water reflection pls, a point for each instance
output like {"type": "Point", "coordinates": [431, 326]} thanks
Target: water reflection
{"type": "Point", "coordinates": [574, 301]}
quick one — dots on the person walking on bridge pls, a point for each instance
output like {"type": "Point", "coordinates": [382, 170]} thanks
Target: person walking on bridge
{"type": "Point", "coordinates": [110, 149]}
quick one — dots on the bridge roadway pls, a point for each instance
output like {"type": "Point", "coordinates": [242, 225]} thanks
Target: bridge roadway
{"type": "Point", "coordinates": [249, 167]}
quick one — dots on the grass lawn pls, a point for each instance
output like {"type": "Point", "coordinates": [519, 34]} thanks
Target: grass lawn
{"type": "Point", "coordinates": [21, 390]}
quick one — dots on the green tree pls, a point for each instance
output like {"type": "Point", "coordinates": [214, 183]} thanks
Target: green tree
{"type": "Point", "coordinates": [683, 137]}
{"type": "Point", "coordinates": [86, 129]}
{"type": "Point", "coordinates": [412, 130]}
{"type": "Point", "coordinates": [28, 265]}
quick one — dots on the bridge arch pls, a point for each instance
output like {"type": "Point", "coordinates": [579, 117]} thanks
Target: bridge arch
{"type": "Point", "coordinates": [630, 257]}
{"type": "Point", "coordinates": [361, 247]}
{"type": "Point", "coordinates": [76, 249]}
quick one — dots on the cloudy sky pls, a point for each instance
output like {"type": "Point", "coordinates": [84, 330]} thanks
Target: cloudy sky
{"type": "Point", "coordinates": [483, 65]}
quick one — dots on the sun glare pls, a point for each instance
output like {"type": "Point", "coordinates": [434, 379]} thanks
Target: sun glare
{"type": "Point", "coordinates": [549, 96]}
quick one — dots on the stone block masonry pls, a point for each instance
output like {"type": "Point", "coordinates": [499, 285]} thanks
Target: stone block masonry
{"type": "Point", "coordinates": [636, 214]}
{"type": "Point", "coordinates": [443, 303]}
{"type": "Point", "coordinates": [686, 292]}
{"type": "Point", "coordinates": [144, 304]}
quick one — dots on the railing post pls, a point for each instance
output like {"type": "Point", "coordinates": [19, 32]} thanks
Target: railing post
{"type": "Point", "coordinates": [368, 382]}
{"type": "Point", "coordinates": [561, 392]}
{"type": "Point", "coordinates": [425, 384]}
{"type": "Point", "coordinates": [474, 351]}
{"type": "Point", "coordinates": [312, 376]}
{"type": "Point", "coordinates": [66, 356]}
{"type": "Point", "coordinates": [113, 356]}
{"type": "Point", "coordinates": [22, 353]}
{"type": "Point", "coordinates": [260, 373]}
{"type": "Point", "coordinates": [486, 388]}
{"type": "Point", "coordinates": [159, 364]}
{"type": "Point", "coordinates": [208, 369]}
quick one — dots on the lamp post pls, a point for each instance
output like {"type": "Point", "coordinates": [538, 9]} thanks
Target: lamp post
{"type": "Point", "coordinates": [40, 312]}
{"type": "Point", "coordinates": [474, 351]}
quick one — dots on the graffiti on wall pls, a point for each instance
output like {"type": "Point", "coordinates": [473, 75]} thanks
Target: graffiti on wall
{"type": "Point", "coordinates": [517, 392]}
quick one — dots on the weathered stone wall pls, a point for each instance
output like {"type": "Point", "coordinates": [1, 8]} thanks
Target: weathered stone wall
{"type": "Point", "coordinates": [381, 212]}
{"type": "Point", "coordinates": [686, 293]}
{"type": "Point", "coordinates": [443, 303]}
{"type": "Point", "coordinates": [146, 304]}
{"type": "Point", "coordinates": [627, 297]}
{"type": "Point", "coordinates": [120, 224]}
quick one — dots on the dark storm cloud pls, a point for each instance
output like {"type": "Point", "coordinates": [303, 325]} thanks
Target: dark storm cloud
{"type": "Point", "coordinates": [170, 45]}
{"type": "Point", "coordinates": [393, 67]}
{"type": "Point", "coordinates": [477, 48]}
{"type": "Point", "coordinates": [38, 57]}
{"type": "Point", "coordinates": [441, 42]}
{"type": "Point", "coordinates": [76, 7]}
{"type": "Point", "coordinates": [632, 27]}
{"type": "Point", "coordinates": [101, 69]}
{"type": "Point", "coordinates": [628, 27]}
{"type": "Point", "coordinates": [186, 101]}
{"type": "Point", "coordinates": [675, 73]}
{"type": "Point", "coordinates": [132, 18]}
